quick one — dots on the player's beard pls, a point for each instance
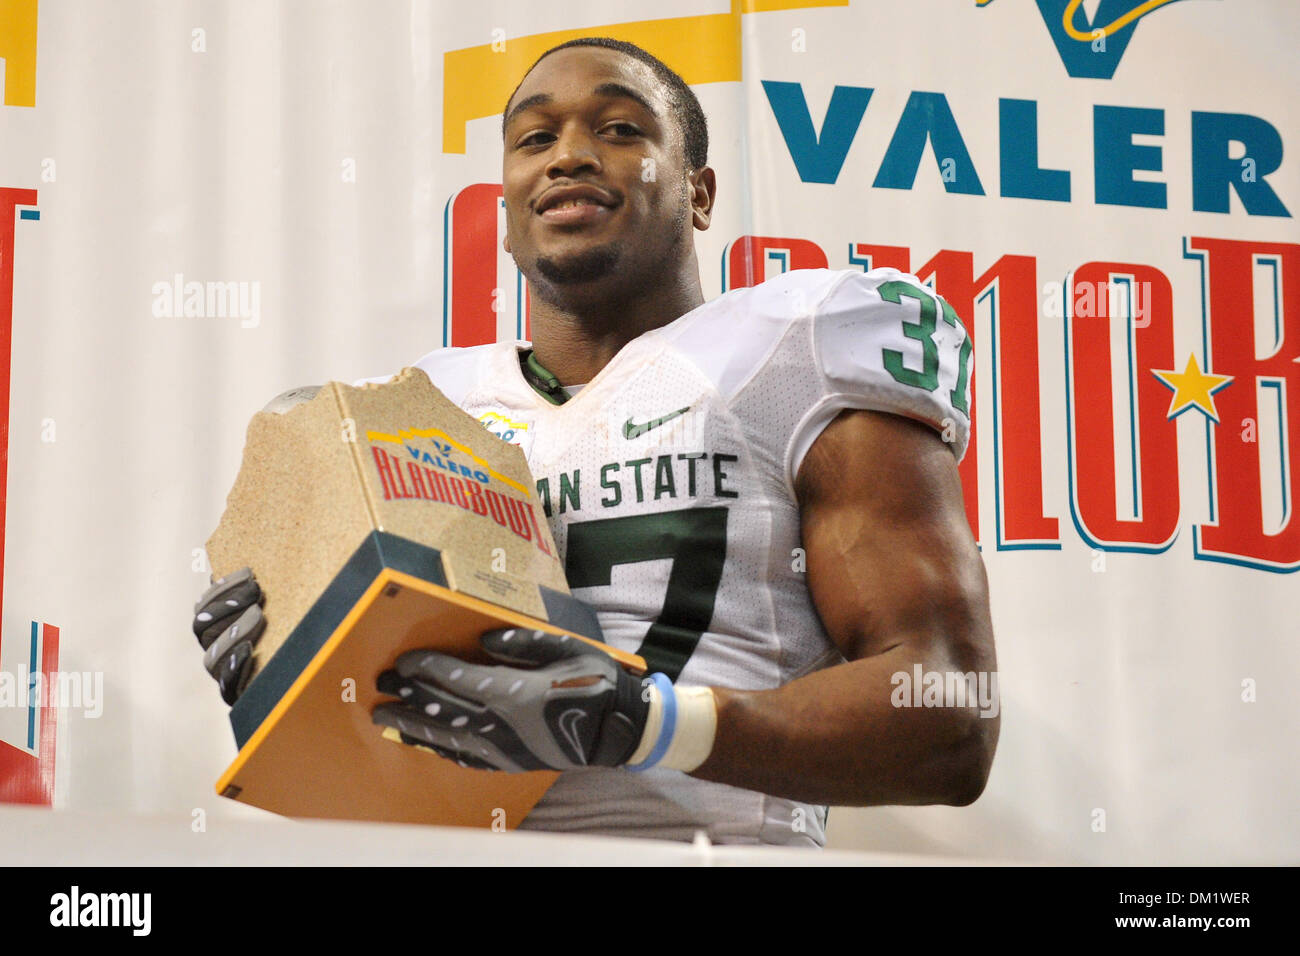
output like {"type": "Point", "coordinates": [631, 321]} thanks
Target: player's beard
{"type": "Point", "coordinates": [601, 261]}
{"type": "Point", "coordinates": [585, 266]}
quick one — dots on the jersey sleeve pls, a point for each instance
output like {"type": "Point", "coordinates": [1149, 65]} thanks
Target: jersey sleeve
{"type": "Point", "coordinates": [883, 341]}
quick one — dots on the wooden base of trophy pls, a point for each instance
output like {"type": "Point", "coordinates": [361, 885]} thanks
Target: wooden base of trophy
{"type": "Point", "coordinates": [307, 745]}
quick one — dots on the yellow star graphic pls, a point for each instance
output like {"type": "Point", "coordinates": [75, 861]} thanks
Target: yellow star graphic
{"type": "Point", "coordinates": [1192, 388]}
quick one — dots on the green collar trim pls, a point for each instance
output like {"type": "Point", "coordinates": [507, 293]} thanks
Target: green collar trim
{"type": "Point", "coordinates": [542, 381]}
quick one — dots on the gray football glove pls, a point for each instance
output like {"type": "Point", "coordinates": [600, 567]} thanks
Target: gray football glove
{"type": "Point", "coordinates": [562, 703]}
{"type": "Point", "coordinates": [228, 622]}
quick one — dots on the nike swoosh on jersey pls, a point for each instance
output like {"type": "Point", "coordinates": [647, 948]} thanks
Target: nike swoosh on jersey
{"type": "Point", "coordinates": [631, 431]}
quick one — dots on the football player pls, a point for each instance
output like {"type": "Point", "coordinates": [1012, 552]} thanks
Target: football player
{"type": "Point", "coordinates": [759, 494]}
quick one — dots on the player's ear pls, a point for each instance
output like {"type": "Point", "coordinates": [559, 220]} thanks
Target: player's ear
{"type": "Point", "coordinates": [505, 243]}
{"type": "Point", "coordinates": [703, 184]}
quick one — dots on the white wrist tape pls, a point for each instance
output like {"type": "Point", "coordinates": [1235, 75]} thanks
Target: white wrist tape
{"type": "Point", "coordinates": [693, 730]}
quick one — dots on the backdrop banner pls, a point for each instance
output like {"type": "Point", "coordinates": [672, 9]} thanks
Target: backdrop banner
{"type": "Point", "coordinates": [203, 204]}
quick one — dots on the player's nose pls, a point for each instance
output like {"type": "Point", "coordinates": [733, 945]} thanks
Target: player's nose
{"type": "Point", "coordinates": [576, 148]}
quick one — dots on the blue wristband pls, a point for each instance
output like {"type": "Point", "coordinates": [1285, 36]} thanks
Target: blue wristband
{"type": "Point", "coordinates": [669, 696]}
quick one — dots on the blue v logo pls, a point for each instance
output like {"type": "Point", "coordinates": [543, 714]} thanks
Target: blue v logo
{"type": "Point", "coordinates": [1092, 46]}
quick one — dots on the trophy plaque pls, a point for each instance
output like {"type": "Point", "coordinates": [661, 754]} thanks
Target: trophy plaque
{"type": "Point", "coordinates": [380, 519]}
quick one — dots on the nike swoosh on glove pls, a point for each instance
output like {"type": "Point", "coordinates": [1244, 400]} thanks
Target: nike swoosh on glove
{"type": "Point", "coordinates": [555, 703]}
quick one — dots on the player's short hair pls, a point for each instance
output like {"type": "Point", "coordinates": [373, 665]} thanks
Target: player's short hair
{"type": "Point", "coordinates": [695, 128]}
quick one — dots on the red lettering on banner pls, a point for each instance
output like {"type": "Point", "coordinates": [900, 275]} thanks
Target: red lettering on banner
{"type": "Point", "coordinates": [25, 778]}
{"type": "Point", "coordinates": [882, 257]}
{"type": "Point", "coordinates": [1092, 410]}
{"type": "Point", "coordinates": [1018, 427]}
{"type": "Point", "coordinates": [747, 258]}
{"type": "Point", "coordinates": [1237, 467]}
{"type": "Point", "coordinates": [473, 267]}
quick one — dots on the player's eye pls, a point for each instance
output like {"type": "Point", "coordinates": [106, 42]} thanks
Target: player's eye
{"type": "Point", "coordinates": [532, 138]}
{"type": "Point", "coordinates": [623, 129]}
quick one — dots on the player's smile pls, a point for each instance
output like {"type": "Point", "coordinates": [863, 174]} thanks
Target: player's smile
{"type": "Point", "coordinates": [576, 204]}
{"type": "Point", "coordinates": [575, 213]}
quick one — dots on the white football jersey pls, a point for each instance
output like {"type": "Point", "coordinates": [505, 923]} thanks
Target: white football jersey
{"type": "Point", "coordinates": [668, 481]}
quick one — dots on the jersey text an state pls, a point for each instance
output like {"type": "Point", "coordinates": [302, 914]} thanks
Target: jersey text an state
{"type": "Point", "coordinates": [636, 480]}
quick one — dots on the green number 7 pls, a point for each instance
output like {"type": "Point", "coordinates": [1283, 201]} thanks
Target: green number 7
{"type": "Point", "coordinates": [696, 541]}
